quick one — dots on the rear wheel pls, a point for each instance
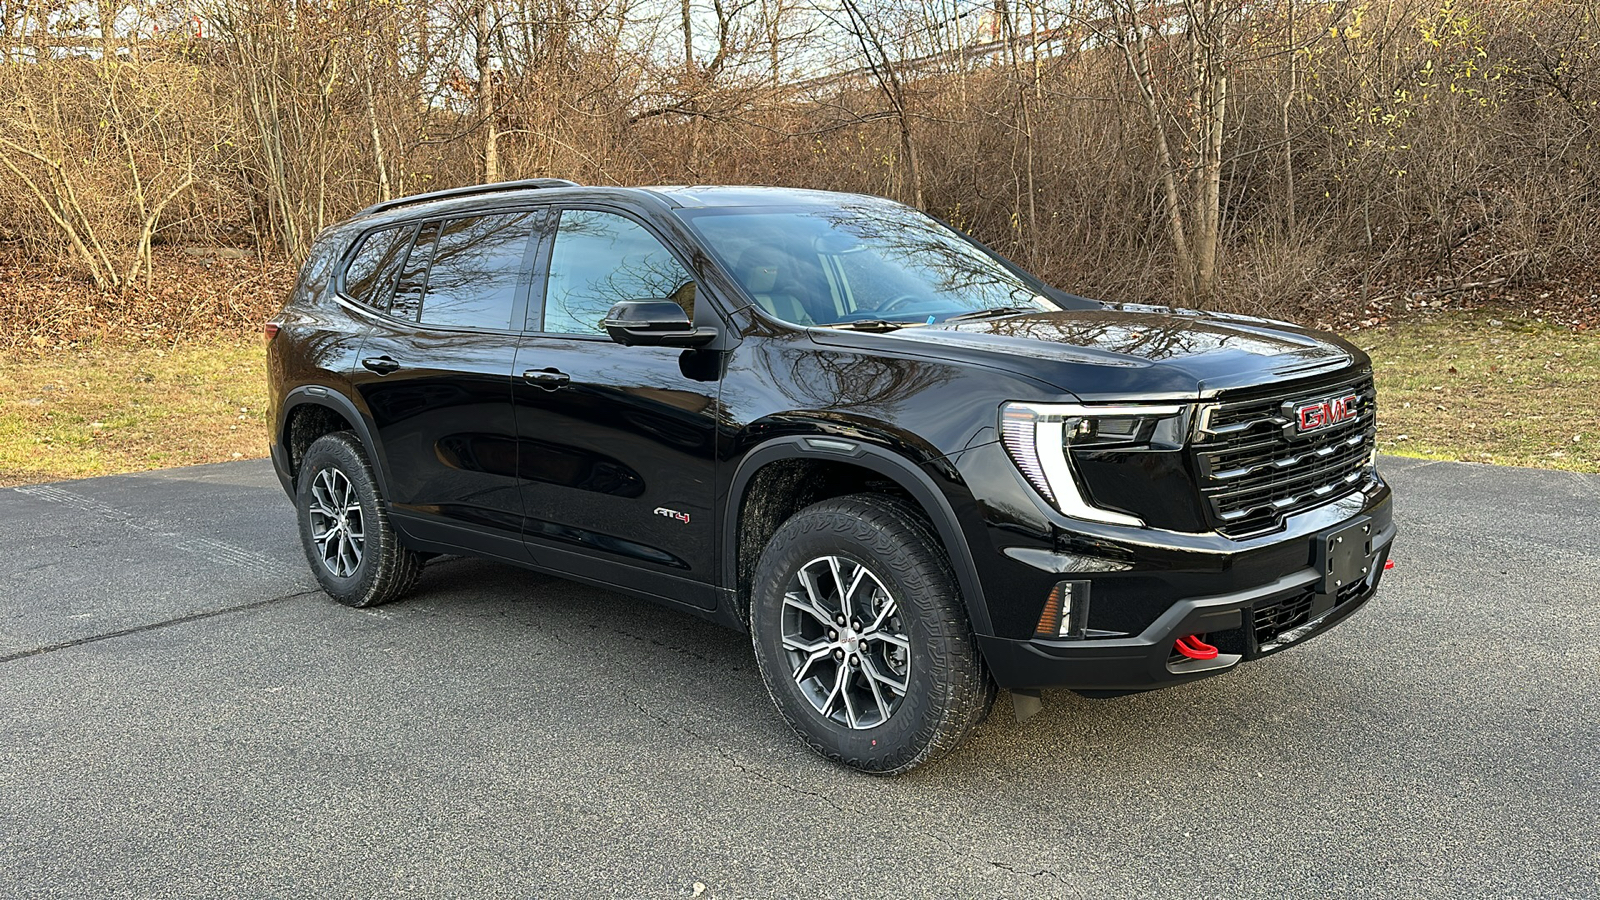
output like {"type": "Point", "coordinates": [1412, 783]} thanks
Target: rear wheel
{"type": "Point", "coordinates": [352, 549]}
{"type": "Point", "coordinates": [862, 638]}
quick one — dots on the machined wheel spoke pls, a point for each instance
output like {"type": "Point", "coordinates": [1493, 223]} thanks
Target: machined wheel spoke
{"type": "Point", "coordinates": [801, 673]}
{"type": "Point", "coordinates": [844, 694]}
{"type": "Point", "coordinates": [889, 638]}
{"type": "Point", "coordinates": [877, 693]}
{"type": "Point", "coordinates": [809, 607]}
{"type": "Point", "coordinates": [319, 493]}
{"type": "Point", "coordinates": [885, 612]}
{"type": "Point", "coordinates": [835, 566]}
{"type": "Point", "coordinates": [815, 592]}
{"type": "Point", "coordinates": [870, 667]}
{"type": "Point", "coordinates": [838, 688]}
{"type": "Point", "coordinates": [850, 601]}
{"type": "Point", "coordinates": [791, 642]}
{"type": "Point", "coordinates": [349, 549]}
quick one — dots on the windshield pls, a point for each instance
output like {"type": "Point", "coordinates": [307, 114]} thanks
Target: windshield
{"type": "Point", "coordinates": [860, 262]}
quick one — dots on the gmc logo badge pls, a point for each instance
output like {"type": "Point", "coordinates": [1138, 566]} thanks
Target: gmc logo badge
{"type": "Point", "coordinates": [1316, 414]}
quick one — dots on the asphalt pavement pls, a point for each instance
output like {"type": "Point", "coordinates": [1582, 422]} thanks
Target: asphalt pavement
{"type": "Point", "coordinates": [182, 714]}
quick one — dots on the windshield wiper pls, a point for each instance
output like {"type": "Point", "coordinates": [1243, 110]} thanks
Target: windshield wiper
{"type": "Point", "coordinates": [991, 312]}
{"type": "Point", "coordinates": [869, 325]}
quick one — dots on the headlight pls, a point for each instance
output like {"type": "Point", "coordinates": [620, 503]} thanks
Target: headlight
{"type": "Point", "coordinates": [1038, 437]}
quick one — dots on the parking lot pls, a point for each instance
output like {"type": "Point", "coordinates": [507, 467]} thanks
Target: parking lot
{"type": "Point", "coordinates": [182, 714]}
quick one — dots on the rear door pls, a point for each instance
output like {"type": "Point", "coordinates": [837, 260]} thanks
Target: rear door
{"type": "Point", "coordinates": [435, 376]}
{"type": "Point", "coordinates": [618, 442]}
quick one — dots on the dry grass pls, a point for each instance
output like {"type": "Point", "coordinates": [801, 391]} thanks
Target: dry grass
{"type": "Point", "coordinates": [101, 410]}
{"type": "Point", "coordinates": [1469, 386]}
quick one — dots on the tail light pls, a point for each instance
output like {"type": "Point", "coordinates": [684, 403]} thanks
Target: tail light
{"type": "Point", "coordinates": [271, 330]}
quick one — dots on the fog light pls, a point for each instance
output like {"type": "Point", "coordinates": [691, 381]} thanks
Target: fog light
{"type": "Point", "coordinates": [1066, 611]}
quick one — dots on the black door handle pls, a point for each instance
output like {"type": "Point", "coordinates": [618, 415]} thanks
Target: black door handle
{"type": "Point", "coordinates": [383, 365]}
{"type": "Point", "coordinates": [549, 379]}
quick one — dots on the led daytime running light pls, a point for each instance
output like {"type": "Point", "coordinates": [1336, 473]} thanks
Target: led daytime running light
{"type": "Point", "coordinates": [1018, 426]}
{"type": "Point", "coordinates": [1034, 435]}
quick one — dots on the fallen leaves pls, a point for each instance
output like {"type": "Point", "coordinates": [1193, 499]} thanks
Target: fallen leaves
{"type": "Point", "coordinates": [41, 309]}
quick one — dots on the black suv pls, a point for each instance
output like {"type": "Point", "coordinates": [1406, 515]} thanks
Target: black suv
{"type": "Point", "coordinates": [912, 471]}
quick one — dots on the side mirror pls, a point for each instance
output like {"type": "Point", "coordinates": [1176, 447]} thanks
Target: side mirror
{"type": "Point", "coordinates": [654, 323]}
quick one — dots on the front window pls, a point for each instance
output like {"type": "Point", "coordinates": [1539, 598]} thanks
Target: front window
{"type": "Point", "coordinates": [859, 263]}
{"type": "Point", "coordinates": [601, 258]}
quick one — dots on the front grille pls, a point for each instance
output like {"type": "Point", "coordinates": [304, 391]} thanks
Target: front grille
{"type": "Point", "coordinates": [1254, 470]}
{"type": "Point", "coordinates": [1271, 620]}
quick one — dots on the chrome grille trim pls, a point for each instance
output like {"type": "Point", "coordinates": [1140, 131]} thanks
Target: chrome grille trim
{"type": "Point", "coordinates": [1253, 470]}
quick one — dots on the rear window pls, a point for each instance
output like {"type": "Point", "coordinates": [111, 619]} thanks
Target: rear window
{"type": "Point", "coordinates": [369, 279]}
{"type": "Point", "coordinates": [479, 265]}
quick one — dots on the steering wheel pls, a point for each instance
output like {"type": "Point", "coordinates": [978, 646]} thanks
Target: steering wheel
{"type": "Point", "coordinates": [896, 302]}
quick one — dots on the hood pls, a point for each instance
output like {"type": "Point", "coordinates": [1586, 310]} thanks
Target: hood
{"type": "Point", "coordinates": [1117, 352]}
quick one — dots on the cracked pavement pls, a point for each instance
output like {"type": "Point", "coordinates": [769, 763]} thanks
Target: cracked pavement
{"type": "Point", "coordinates": [183, 715]}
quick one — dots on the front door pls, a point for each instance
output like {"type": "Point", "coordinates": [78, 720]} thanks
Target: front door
{"type": "Point", "coordinates": [436, 378]}
{"type": "Point", "coordinates": [617, 443]}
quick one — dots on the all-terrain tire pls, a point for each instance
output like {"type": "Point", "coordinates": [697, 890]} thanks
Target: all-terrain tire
{"type": "Point", "coordinates": [948, 688]}
{"type": "Point", "coordinates": [386, 569]}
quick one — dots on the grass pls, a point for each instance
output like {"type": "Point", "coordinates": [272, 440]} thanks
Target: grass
{"type": "Point", "coordinates": [101, 410]}
{"type": "Point", "coordinates": [1463, 386]}
{"type": "Point", "coordinates": [1469, 386]}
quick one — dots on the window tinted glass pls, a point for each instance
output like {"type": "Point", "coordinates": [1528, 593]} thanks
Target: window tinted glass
{"type": "Point", "coordinates": [370, 276]}
{"type": "Point", "coordinates": [478, 263]}
{"type": "Point", "coordinates": [860, 261]}
{"type": "Point", "coordinates": [600, 259]}
{"type": "Point", "coordinates": [414, 275]}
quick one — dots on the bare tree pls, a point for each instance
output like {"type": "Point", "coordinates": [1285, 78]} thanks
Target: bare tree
{"type": "Point", "coordinates": [483, 38]}
{"type": "Point", "coordinates": [868, 35]}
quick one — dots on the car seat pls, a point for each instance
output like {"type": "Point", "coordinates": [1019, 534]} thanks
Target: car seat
{"type": "Point", "coordinates": [760, 270]}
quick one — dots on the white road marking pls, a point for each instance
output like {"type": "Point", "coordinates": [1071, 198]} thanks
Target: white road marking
{"type": "Point", "coordinates": [211, 548]}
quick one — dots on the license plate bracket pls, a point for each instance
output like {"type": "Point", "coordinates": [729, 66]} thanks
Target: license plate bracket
{"type": "Point", "coordinates": [1342, 555]}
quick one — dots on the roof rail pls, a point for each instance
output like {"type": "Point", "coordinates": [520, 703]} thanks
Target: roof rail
{"type": "Point", "coordinates": [525, 184]}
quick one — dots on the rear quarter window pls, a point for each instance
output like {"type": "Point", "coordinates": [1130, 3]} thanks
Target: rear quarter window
{"type": "Point", "coordinates": [369, 278]}
{"type": "Point", "coordinates": [414, 274]}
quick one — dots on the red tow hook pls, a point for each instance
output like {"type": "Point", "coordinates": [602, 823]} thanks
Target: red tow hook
{"type": "Point", "coordinates": [1388, 564]}
{"type": "Point", "coordinates": [1194, 648]}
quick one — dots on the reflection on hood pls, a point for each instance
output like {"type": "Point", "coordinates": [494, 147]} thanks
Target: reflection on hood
{"type": "Point", "coordinates": [1114, 337]}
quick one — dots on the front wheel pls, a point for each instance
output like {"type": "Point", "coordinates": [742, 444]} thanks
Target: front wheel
{"type": "Point", "coordinates": [861, 636]}
{"type": "Point", "coordinates": [353, 551]}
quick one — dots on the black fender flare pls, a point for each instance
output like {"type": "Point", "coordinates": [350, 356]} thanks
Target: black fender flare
{"type": "Point", "coordinates": [894, 466]}
{"type": "Point", "coordinates": [317, 395]}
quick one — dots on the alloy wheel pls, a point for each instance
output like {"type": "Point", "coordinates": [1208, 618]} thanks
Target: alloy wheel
{"type": "Point", "coordinates": [336, 522]}
{"type": "Point", "coordinates": [846, 643]}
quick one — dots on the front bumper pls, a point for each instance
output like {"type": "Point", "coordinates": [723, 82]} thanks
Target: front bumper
{"type": "Point", "coordinates": [1243, 625]}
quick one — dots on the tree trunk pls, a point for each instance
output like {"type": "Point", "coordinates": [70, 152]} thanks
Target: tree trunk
{"type": "Point", "coordinates": [378, 163]}
{"type": "Point", "coordinates": [1138, 58]}
{"type": "Point", "coordinates": [688, 44]}
{"type": "Point", "coordinates": [487, 112]}
{"type": "Point", "coordinates": [1209, 197]}
{"type": "Point", "coordinates": [1288, 139]}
